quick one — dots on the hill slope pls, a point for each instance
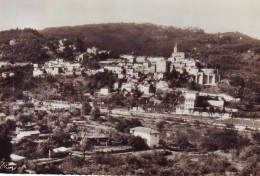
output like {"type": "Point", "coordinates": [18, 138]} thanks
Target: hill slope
{"type": "Point", "coordinates": [149, 39]}
{"type": "Point", "coordinates": [234, 54]}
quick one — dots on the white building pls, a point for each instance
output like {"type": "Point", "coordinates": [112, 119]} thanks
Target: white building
{"type": "Point", "coordinates": [12, 42]}
{"type": "Point", "coordinates": [151, 136]}
{"type": "Point", "coordinates": [52, 70]}
{"type": "Point", "coordinates": [190, 100]}
{"type": "Point", "coordinates": [155, 59]}
{"type": "Point", "coordinates": [80, 58]}
{"type": "Point", "coordinates": [158, 76]}
{"type": "Point", "coordinates": [104, 52]}
{"type": "Point", "coordinates": [141, 59]}
{"type": "Point", "coordinates": [93, 72]}
{"type": "Point", "coordinates": [129, 58]}
{"type": "Point", "coordinates": [57, 105]}
{"type": "Point", "coordinates": [150, 69]}
{"type": "Point", "coordinates": [163, 85]}
{"type": "Point", "coordinates": [24, 134]}
{"type": "Point", "coordinates": [217, 103]}
{"type": "Point", "coordinates": [128, 86]}
{"type": "Point", "coordinates": [138, 67]}
{"type": "Point", "coordinates": [37, 72]}
{"type": "Point", "coordinates": [58, 66]}
{"type": "Point", "coordinates": [92, 50]}
{"type": "Point", "coordinates": [116, 85]}
{"type": "Point", "coordinates": [114, 69]}
{"type": "Point", "coordinates": [120, 76]}
{"type": "Point", "coordinates": [138, 109]}
{"type": "Point", "coordinates": [104, 91]}
{"type": "Point", "coordinates": [61, 150]}
{"type": "Point", "coordinates": [144, 88]}
{"type": "Point", "coordinates": [7, 74]}
{"type": "Point", "coordinates": [130, 71]}
{"type": "Point", "coordinates": [161, 66]}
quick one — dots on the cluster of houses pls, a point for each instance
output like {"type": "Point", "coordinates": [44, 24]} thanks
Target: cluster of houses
{"type": "Point", "coordinates": [133, 67]}
{"type": "Point", "coordinates": [96, 51]}
{"type": "Point", "coordinates": [62, 67]}
{"type": "Point", "coordinates": [6, 72]}
{"type": "Point", "coordinates": [202, 76]}
{"type": "Point", "coordinates": [55, 105]}
{"type": "Point", "coordinates": [57, 67]}
{"type": "Point", "coordinates": [5, 75]}
{"type": "Point", "coordinates": [61, 46]}
{"type": "Point", "coordinates": [216, 101]}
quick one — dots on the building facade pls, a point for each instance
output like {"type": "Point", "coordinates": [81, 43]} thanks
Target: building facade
{"type": "Point", "coordinates": [151, 136]}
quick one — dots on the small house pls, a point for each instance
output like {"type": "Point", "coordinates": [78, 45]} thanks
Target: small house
{"type": "Point", "coordinates": [104, 91]}
{"type": "Point", "coordinates": [151, 136]}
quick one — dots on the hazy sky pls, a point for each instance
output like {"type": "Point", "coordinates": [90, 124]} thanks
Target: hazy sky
{"type": "Point", "coordinates": [211, 15]}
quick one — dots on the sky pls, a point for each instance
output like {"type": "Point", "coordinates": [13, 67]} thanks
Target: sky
{"type": "Point", "coordinates": [211, 15]}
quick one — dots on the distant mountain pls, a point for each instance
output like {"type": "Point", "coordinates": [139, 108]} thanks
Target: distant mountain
{"type": "Point", "coordinates": [148, 39]}
{"type": "Point", "coordinates": [143, 39]}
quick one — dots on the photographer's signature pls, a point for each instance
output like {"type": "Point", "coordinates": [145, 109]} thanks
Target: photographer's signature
{"type": "Point", "coordinates": [5, 167]}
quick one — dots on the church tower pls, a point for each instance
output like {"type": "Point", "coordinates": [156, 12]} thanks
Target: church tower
{"type": "Point", "coordinates": [175, 48]}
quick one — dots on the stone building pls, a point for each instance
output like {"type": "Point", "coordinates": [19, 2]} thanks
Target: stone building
{"type": "Point", "coordinates": [207, 77]}
{"type": "Point", "coordinates": [204, 76]}
{"type": "Point", "coordinates": [177, 55]}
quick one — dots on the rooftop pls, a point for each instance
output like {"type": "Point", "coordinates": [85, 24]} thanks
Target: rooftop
{"type": "Point", "coordinates": [16, 158]}
{"type": "Point", "coordinates": [145, 130]}
{"type": "Point", "coordinates": [61, 149]}
{"type": "Point", "coordinates": [2, 114]}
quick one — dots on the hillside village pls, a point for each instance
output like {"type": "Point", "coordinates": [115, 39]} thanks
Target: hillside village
{"type": "Point", "coordinates": [94, 108]}
{"type": "Point", "coordinates": [131, 68]}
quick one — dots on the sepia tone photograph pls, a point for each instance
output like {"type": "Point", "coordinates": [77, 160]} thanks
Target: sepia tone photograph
{"type": "Point", "coordinates": [130, 87]}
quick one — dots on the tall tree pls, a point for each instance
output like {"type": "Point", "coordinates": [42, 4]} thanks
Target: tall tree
{"type": "Point", "coordinates": [6, 146]}
{"type": "Point", "coordinates": [86, 145]}
{"type": "Point", "coordinates": [95, 113]}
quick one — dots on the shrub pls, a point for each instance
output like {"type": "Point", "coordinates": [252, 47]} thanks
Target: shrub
{"type": "Point", "coordinates": [160, 125]}
{"type": "Point", "coordinates": [137, 143]}
{"type": "Point", "coordinates": [248, 152]}
{"type": "Point", "coordinates": [256, 137]}
{"type": "Point", "coordinates": [95, 114]}
{"type": "Point", "coordinates": [123, 125]}
{"type": "Point", "coordinates": [224, 140]}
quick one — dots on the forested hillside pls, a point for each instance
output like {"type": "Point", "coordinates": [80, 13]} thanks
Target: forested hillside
{"type": "Point", "coordinates": [234, 54]}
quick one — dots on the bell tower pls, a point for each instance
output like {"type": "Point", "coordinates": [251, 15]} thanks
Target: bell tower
{"type": "Point", "coordinates": [175, 48]}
